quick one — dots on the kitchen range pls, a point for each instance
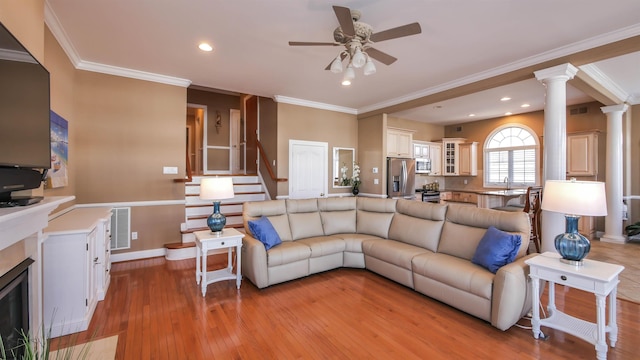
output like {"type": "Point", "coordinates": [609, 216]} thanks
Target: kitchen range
{"type": "Point", "coordinates": [431, 193]}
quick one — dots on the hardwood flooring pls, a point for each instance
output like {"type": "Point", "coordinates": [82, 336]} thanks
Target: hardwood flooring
{"type": "Point", "coordinates": [627, 255]}
{"type": "Point", "coordinates": [158, 312]}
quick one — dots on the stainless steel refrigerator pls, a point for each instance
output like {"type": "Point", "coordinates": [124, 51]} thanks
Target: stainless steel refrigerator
{"type": "Point", "coordinates": [401, 178]}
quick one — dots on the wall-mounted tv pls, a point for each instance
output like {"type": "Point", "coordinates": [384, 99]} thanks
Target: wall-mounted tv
{"type": "Point", "coordinates": [25, 145]}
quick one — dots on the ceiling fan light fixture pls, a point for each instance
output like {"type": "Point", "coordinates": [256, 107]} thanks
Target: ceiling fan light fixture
{"type": "Point", "coordinates": [336, 65]}
{"type": "Point", "coordinates": [359, 59]}
{"type": "Point", "coordinates": [349, 75]}
{"type": "Point", "coordinates": [369, 68]}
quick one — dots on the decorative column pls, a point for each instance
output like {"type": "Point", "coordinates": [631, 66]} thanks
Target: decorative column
{"type": "Point", "coordinates": [555, 142]}
{"type": "Point", "coordinates": [613, 221]}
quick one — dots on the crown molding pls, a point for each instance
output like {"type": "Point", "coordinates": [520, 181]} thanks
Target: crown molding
{"type": "Point", "coordinates": [15, 55]}
{"type": "Point", "coordinates": [621, 34]}
{"type": "Point", "coordinates": [601, 78]}
{"type": "Point", "coordinates": [51, 20]}
{"type": "Point", "coordinates": [314, 104]}
{"type": "Point", "coordinates": [634, 99]}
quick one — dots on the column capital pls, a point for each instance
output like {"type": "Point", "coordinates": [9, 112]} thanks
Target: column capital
{"type": "Point", "coordinates": [566, 71]}
{"type": "Point", "coordinates": [614, 108]}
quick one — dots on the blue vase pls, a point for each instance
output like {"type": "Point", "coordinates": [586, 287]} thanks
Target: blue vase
{"type": "Point", "coordinates": [572, 245]}
{"type": "Point", "coordinates": [216, 221]}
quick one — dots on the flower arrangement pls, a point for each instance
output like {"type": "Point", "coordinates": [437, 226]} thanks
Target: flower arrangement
{"type": "Point", "coordinates": [355, 178]}
{"type": "Point", "coordinates": [344, 180]}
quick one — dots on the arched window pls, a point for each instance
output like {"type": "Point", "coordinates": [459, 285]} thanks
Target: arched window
{"type": "Point", "coordinates": [511, 157]}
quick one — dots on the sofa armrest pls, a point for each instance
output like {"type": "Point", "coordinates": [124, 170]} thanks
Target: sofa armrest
{"type": "Point", "coordinates": [254, 261]}
{"type": "Point", "coordinates": [511, 298]}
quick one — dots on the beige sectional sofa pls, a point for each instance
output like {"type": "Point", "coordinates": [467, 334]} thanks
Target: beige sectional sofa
{"type": "Point", "coordinates": [427, 247]}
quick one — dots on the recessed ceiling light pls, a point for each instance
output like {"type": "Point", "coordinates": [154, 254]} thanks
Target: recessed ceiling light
{"type": "Point", "coordinates": [472, 115]}
{"type": "Point", "coordinates": [508, 113]}
{"type": "Point", "coordinates": [205, 47]}
{"type": "Point", "coordinates": [506, 98]}
{"type": "Point", "coordinates": [525, 105]}
{"type": "Point", "coordinates": [346, 82]}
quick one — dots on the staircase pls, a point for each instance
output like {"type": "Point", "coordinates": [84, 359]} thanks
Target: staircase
{"type": "Point", "coordinates": [245, 187]}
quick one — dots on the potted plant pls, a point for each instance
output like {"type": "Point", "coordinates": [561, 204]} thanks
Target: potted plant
{"type": "Point", "coordinates": [355, 179]}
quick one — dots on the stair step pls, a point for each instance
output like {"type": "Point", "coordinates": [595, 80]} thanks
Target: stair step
{"type": "Point", "coordinates": [179, 245]}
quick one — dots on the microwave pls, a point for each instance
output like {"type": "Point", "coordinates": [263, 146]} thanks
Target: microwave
{"type": "Point", "coordinates": [423, 166]}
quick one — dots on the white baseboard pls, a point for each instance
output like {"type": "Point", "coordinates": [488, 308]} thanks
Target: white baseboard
{"type": "Point", "coordinates": [137, 255]}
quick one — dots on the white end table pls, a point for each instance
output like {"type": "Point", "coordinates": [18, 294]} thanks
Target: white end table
{"type": "Point", "coordinates": [595, 277]}
{"type": "Point", "coordinates": [205, 241]}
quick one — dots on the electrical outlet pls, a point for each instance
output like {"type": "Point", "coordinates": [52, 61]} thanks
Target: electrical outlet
{"type": "Point", "coordinates": [465, 181]}
{"type": "Point", "coordinates": [170, 170]}
{"type": "Point", "coordinates": [134, 235]}
{"type": "Point", "coordinates": [376, 181]}
{"type": "Point", "coordinates": [375, 170]}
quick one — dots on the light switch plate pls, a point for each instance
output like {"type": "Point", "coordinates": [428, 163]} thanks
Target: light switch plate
{"type": "Point", "coordinates": [375, 170]}
{"type": "Point", "coordinates": [169, 169]}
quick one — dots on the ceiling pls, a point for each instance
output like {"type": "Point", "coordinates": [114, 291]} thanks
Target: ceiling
{"type": "Point", "coordinates": [462, 42]}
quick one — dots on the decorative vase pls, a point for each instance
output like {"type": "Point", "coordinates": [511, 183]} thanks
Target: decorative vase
{"type": "Point", "coordinates": [355, 191]}
{"type": "Point", "coordinates": [216, 221]}
{"type": "Point", "coordinates": [572, 245]}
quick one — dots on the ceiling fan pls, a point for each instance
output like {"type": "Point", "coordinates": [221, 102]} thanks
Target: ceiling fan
{"type": "Point", "coordinates": [358, 39]}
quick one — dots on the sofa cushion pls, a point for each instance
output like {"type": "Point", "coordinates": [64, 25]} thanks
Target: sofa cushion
{"type": "Point", "coordinates": [265, 232]}
{"type": "Point", "coordinates": [374, 216]}
{"type": "Point", "coordinates": [324, 245]}
{"type": "Point", "coordinates": [466, 225]}
{"type": "Point", "coordinates": [353, 242]}
{"type": "Point", "coordinates": [455, 272]}
{"type": "Point", "coordinates": [275, 210]}
{"type": "Point", "coordinates": [338, 215]}
{"type": "Point", "coordinates": [418, 223]}
{"type": "Point", "coordinates": [287, 252]}
{"type": "Point", "coordinates": [496, 249]}
{"type": "Point", "coordinates": [393, 252]}
{"type": "Point", "coordinates": [304, 218]}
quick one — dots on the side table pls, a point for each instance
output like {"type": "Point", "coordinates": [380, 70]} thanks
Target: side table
{"type": "Point", "coordinates": [595, 277]}
{"type": "Point", "coordinates": [205, 241]}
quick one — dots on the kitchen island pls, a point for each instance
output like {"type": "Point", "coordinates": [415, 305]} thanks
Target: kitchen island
{"type": "Point", "coordinates": [483, 198]}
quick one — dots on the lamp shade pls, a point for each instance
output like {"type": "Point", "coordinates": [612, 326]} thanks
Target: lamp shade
{"type": "Point", "coordinates": [584, 198]}
{"type": "Point", "coordinates": [216, 188]}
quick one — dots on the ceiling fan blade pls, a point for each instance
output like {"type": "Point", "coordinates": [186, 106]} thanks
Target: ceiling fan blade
{"type": "Point", "coordinates": [400, 31]}
{"type": "Point", "coordinates": [380, 56]}
{"type": "Point", "coordinates": [344, 18]}
{"type": "Point", "coordinates": [343, 55]}
{"type": "Point", "coordinates": [307, 43]}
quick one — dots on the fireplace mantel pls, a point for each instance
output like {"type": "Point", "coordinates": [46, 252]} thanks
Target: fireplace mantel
{"type": "Point", "coordinates": [20, 222]}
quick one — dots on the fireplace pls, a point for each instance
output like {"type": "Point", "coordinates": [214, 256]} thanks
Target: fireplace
{"type": "Point", "coordinates": [14, 306]}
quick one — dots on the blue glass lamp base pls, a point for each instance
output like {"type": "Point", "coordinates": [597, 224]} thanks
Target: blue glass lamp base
{"type": "Point", "coordinates": [572, 246]}
{"type": "Point", "coordinates": [216, 221]}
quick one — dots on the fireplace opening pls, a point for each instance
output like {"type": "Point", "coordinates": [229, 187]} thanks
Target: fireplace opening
{"type": "Point", "coordinates": [14, 307]}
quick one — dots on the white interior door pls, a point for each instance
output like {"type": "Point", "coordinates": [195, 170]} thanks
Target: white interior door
{"type": "Point", "coordinates": [308, 169]}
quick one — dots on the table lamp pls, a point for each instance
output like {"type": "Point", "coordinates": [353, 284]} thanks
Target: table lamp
{"type": "Point", "coordinates": [574, 199]}
{"type": "Point", "coordinates": [216, 189]}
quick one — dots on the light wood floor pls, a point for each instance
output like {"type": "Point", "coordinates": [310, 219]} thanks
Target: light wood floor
{"type": "Point", "coordinates": [627, 255]}
{"type": "Point", "coordinates": [158, 312]}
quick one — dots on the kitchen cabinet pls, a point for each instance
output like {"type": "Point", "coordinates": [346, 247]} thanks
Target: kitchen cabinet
{"type": "Point", "coordinates": [399, 143]}
{"type": "Point", "coordinates": [421, 149]}
{"type": "Point", "coordinates": [460, 197]}
{"type": "Point", "coordinates": [435, 154]}
{"type": "Point", "coordinates": [587, 226]}
{"type": "Point", "coordinates": [582, 154]}
{"type": "Point", "coordinates": [75, 268]}
{"type": "Point", "coordinates": [469, 159]}
{"type": "Point", "coordinates": [459, 157]}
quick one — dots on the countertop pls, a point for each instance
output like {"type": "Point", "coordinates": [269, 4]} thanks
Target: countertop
{"type": "Point", "coordinates": [510, 192]}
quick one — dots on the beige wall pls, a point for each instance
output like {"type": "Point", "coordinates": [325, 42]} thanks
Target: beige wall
{"type": "Point", "coordinates": [25, 20]}
{"type": "Point", "coordinates": [372, 154]}
{"type": "Point", "coordinates": [310, 124]}
{"type": "Point", "coordinates": [268, 119]}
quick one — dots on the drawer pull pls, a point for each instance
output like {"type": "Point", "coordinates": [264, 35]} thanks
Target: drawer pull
{"type": "Point", "coordinates": [563, 277]}
{"type": "Point", "coordinates": [222, 243]}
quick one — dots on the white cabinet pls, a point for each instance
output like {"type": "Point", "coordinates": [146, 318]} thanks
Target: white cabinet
{"type": "Point", "coordinates": [459, 157]}
{"type": "Point", "coordinates": [469, 159]}
{"type": "Point", "coordinates": [435, 154]}
{"type": "Point", "coordinates": [421, 149]}
{"type": "Point", "coordinates": [582, 154]}
{"type": "Point", "coordinates": [73, 253]}
{"type": "Point", "coordinates": [399, 143]}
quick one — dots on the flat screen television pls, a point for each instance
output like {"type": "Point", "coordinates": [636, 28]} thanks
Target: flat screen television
{"type": "Point", "coordinates": [25, 137]}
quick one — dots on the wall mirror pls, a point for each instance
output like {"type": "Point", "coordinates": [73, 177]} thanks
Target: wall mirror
{"type": "Point", "coordinates": [343, 159]}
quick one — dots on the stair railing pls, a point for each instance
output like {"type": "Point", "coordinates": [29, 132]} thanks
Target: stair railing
{"type": "Point", "coordinates": [267, 165]}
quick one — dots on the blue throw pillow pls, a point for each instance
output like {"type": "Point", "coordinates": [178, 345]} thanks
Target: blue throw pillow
{"type": "Point", "coordinates": [265, 232]}
{"type": "Point", "coordinates": [496, 249]}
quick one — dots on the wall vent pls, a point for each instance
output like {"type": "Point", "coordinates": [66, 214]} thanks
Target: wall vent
{"type": "Point", "coordinates": [458, 128]}
{"type": "Point", "coordinates": [579, 110]}
{"type": "Point", "coordinates": [120, 225]}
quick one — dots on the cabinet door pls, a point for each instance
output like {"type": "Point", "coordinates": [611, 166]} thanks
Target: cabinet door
{"type": "Point", "coordinates": [449, 158]}
{"type": "Point", "coordinates": [581, 154]}
{"type": "Point", "coordinates": [404, 145]}
{"type": "Point", "coordinates": [435, 154]}
{"type": "Point", "coordinates": [392, 143]}
{"type": "Point", "coordinates": [469, 159]}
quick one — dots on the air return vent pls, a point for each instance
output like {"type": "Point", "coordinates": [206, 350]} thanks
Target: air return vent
{"type": "Point", "coordinates": [120, 225]}
{"type": "Point", "coordinates": [579, 110]}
